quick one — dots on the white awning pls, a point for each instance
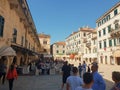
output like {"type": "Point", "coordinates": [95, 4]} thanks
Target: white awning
{"type": "Point", "coordinates": [47, 55]}
{"type": "Point", "coordinates": [7, 51]}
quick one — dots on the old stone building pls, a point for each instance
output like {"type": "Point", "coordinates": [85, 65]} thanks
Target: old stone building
{"type": "Point", "coordinates": [108, 34]}
{"type": "Point", "coordinates": [18, 31]}
{"type": "Point", "coordinates": [45, 43]}
{"type": "Point", "coordinates": [58, 50]}
{"type": "Point", "coordinates": [76, 43]}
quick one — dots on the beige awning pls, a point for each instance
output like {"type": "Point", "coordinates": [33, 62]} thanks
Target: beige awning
{"type": "Point", "coordinates": [116, 53]}
{"type": "Point", "coordinates": [7, 51]}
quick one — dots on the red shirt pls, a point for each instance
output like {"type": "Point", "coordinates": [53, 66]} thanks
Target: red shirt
{"type": "Point", "coordinates": [12, 74]}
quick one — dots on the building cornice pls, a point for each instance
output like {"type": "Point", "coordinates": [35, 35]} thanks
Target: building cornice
{"type": "Point", "coordinates": [110, 10]}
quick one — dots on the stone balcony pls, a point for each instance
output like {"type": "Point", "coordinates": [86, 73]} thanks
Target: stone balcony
{"type": "Point", "coordinates": [115, 32]}
{"type": "Point", "coordinates": [88, 44]}
{"type": "Point", "coordinates": [84, 40]}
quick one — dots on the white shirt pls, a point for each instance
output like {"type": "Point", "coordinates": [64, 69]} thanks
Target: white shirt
{"type": "Point", "coordinates": [74, 82]}
{"type": "Point", "coordinates": [81, 88]}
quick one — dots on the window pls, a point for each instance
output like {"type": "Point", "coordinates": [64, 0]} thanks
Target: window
{"type": "Point", "coordinates": [21, 1]}
{"type": "Point", "coordinates": [89, 36]}
{"type": "Point", "coordinates": [95, 50]}
{"type": "Point", "coordinates": [99, 33]}
{"type": "Point", "coordinates": [45, 50]}
{"type": "Point", "coordinates": [110, 43]}
{"type": "Point", "coordinates": [105, 59]}
{"type": "Point", "coordinates": [29, 45]}
{"type": "Point", "coordinates": [99, 23]}
{"type": "Point", "coordinates": [26, 43]}
{"type": "Point", "coordinates": [118, 40]}
{"type": "Point", "coordinates": [108, 18]}
{"type": "Point", "coordinates": [84, 34]}
{"type": "Point", "coordinates": [100, 45]}
{"type": "Point", "coordinates": [109, 28]}
{"type": "Point", "coordinates": [63, 51]}
{"type": "Point", "coordinates": [86, 51]}
{"type": "Point", "coordinates": [57, 46]}
{"type": "Point", "coordinates": [105, 44]}
{"type": "Point", "coordinates": [44, 42]}
{"type": "Point", "coordinates": [114, 42]}
{"type": "Point", "coordinates": [94, 42]}
{"type": "Point", "coordinates": [89, 50]}
{"type": "Point", "coordinates": [102, 21]}
{"type": "Point", "coordinates": [14, 35]}
{"type": "Point", "coordinates": [57, 51]}
{"type": "Point", "coordinates": [116, 26]}
{"type": "Point", "coordinates": [1, 26]}
{"type": "Point", "coordinates": [104, 31]}
{"type": "Point", "coordinates": [22, 40]}
{"type": "Point", "coordinates": [115, 12]}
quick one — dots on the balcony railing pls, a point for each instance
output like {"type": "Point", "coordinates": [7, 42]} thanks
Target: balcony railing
{"type": "Point", "coordinates": [115, 32]}
{"type": "Point", "coordinates": [69, 53]}
{"type": "Point", "coordinates": [84, 40]}
{"type": "Point", "coordinates": [88, 44]}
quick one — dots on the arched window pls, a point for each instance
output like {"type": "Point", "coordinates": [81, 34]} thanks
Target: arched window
{"type": "Point", "coordinates": [1, 26]}
{"type": "Point", "coordinates": [14, 35]}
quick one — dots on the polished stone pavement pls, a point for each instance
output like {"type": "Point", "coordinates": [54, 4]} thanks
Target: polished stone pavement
{"type": "Point", "coordinates": [42, 82]}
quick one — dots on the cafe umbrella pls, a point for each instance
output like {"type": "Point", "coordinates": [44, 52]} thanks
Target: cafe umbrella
{"type": "Point", "coordinates": [7, 51]}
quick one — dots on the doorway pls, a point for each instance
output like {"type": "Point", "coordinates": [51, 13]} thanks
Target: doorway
{"type": "Point", "coordinates": [118, 60]}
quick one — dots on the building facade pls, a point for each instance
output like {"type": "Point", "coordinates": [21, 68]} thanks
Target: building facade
{"type": "Point", "coordinates": [17, 30]}
{"type": "Point", "coordinates": [58, 50]}
{"type": "Point", "coordinates": [45, 43]}
{"type": "Point", "coordinates": [76, 44]}
{"type": "Point", "coordinates": [108, 34]}
{"type": "Point", "coordinates": [90, 47]}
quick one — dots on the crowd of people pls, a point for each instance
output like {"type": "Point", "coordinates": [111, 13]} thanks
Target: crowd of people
{"type": "Point", "coordinates": [88, 78]}
{"type": "Point", "coordinates": [40, 67]}
{"type": "Point", "coordinates": [83, 77]}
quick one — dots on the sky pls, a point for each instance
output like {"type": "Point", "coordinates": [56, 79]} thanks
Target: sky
{"type": "Point", "coordinates": [59, 18]}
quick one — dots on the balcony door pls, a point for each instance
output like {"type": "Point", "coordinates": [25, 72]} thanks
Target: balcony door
{"type": "Point", "coordinates": [118, 60]}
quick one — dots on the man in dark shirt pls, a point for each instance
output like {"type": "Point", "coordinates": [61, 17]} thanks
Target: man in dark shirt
{"type": "Point", "coordinates": [65, 73]}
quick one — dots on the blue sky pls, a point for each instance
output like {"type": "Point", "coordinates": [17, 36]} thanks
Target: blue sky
{"type": "Point", "coordinates": [59, 18]}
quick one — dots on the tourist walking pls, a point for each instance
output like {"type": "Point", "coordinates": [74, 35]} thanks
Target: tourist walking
{"type": "Point", "coordinates": [30, 67]}
{"type": "Point", "coordinates": [80, 69]}
{"type": "Point", "coordinates": [88, 70]}
{"type": "Point", "coordinates": [73, 81]}
{"type": "Point", "coordinates": [11, 75]}
{"type": "Point", "coordinates": [116, 79]}
{"type": "Point", "coordinates": [3, 68]}
{"type": "Point", "coordinates": [84, 65]}
{"type": "Point", "coordinates": [65, 73]}
{"type": "Point", "coordinates": [99, 83]}
{"type": "Point", "coordinates": [48, 68]}
{"type": "Point", "coordinates": [88, 82]}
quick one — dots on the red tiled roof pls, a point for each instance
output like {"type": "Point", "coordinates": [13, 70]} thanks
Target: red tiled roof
{"type": "Point", "coordinates": [60, 43]}
{"type": "Point", "coordinates": [43, 36]}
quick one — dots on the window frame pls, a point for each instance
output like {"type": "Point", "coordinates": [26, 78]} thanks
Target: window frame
{"type": "Point", "coordinates": [2, 22]}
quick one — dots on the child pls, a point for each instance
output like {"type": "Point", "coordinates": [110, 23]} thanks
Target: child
{"type": "Point", "coordinates": [88, 82]}
{"type": "Point", "coordinates": [11, 75]}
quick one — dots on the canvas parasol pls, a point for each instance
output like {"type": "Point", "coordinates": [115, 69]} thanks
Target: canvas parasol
{"type": "Point", "coordinates": [7, 51]}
